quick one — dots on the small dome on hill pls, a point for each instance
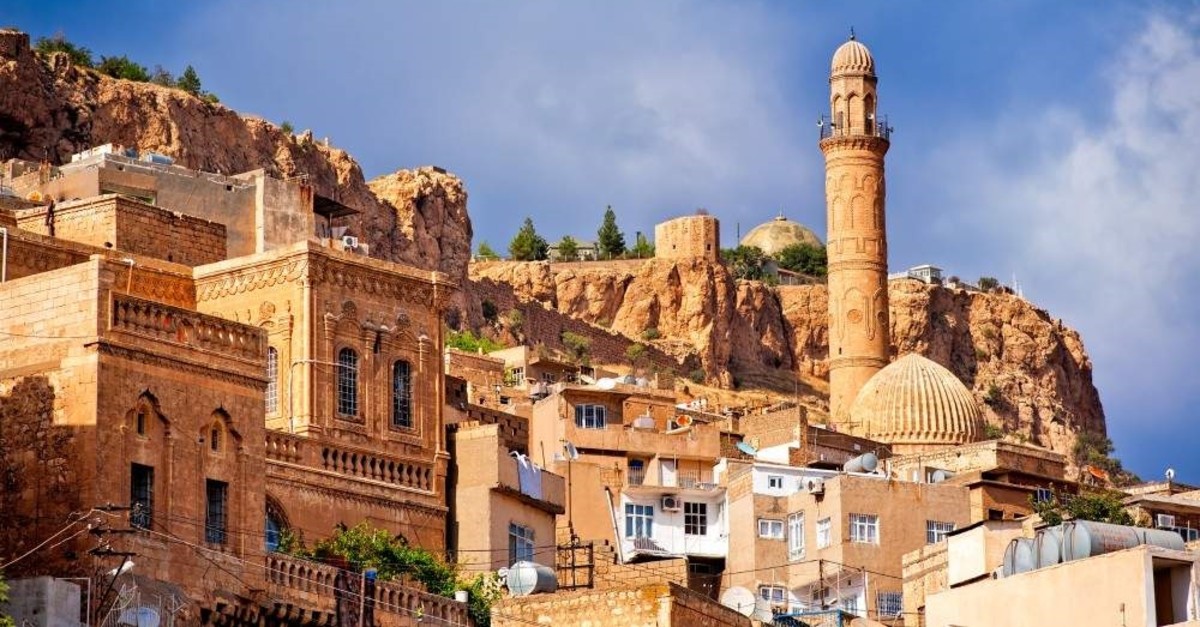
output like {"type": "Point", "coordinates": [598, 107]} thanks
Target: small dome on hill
{"type": "Point", "coordinates": [778, 234]}
{"type": "Point", "coordinates": [917, 404]}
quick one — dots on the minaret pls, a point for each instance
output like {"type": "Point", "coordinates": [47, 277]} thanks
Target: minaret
{"type": "Point", "coordinates": [854, 141]}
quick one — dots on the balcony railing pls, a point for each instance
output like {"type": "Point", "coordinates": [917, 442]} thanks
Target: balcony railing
{"type": "Point", "coordinates": [873, 128]}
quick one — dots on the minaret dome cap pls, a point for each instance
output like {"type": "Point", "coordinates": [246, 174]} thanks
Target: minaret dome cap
{"type": "Point", "coordinates": [853, 57]}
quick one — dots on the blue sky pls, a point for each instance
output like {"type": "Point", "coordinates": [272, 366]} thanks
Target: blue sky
{"type": "Point", "coordinates": [1059, 142]}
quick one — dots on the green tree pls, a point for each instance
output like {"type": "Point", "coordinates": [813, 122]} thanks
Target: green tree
{"type": "Point", "coordinates": [5, 621]}
{"type": "Point", "coordinates": [745, 262]}
{"type": "Point", "coordinates": [987, 283]}
{"type": "Point", "coordinates": [78, 55]}
{"type": "Point", "coordinates": [189, 81]}
{"type": "Point", "coordinates": [804, 258]}
{"type": "Point", "coordinates": [286, 128]}
{"type": "Point", "coordinates": [642, 248]}
{"type": "Point", "coordinates": [578, 345]}
{"type": "Point", "coordinates": [123, 67]}
{"type": "Point", "coordinates": [1094, 449]}
{"type": "Point", "coordinates": [527, 245]}
{"type": "Point", "coordinates": [160, 76]}
{"type": "Point", "coordinates": [1095, 506]}
{"type": "Point", "coordinates": [635, 354]}
{"type": "Point", "coordinates": [610, 238]}
{"type": "Point", "coordinates": [468, 342]}
{"type": "Point", "coordinates": [486, 253]}
{"type": "Point", "coordinates": [568, 249]}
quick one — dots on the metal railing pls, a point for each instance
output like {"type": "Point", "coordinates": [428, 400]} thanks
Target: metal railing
{"type": "Point", "coordinates": [873, 128]}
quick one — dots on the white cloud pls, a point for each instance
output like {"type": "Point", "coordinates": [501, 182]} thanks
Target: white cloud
{"type": "Point", "coordinates": [1101, 212]}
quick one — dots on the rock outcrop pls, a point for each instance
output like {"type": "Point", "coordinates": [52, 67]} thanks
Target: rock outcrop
{"type": "Point", "coordinates": [50, 109]}
{"type": "Point", "coordinates": [1028, 371]}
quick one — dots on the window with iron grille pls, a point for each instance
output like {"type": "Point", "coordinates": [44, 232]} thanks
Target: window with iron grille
{"type": "Point", "coordinates": [141, 496]}
{"type": "Point", "coordinates": [864, 528]}
{"type": "Point", "coordinates": [695, 519]}
{"type": "Point", "coordinates": [639, 521]}
{"type": "Point", "coordinates": [520, 543]}
{"type": "Point", "coordinates": [347, 382]}
{"type": "Point", "coordinates": [889, 604]}
{"type": "Point", "coordinates": [402, 395]}
{"type": "Point", "coordinates": [796, 536]}
{"type": "Point", "coordinates": [1042, 495]}
{"type": "Point", "coordinates": [935, 531]}
{"type": "Point", "coordinates": [590, 416]}
{"type": "Point", "coordinates": [776, 595]}
{"type": "Point", "coordinates": [272, 380]}
{"type": "Point", "coordinates": [215, 513]}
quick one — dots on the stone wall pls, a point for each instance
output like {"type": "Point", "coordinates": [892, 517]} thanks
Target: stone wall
{"type": "Point", "coordinates": [133, 227]}
{"type": "Point", "coordinates": [653, 605]}
{"type": "Point", "coordinates": [697, 236]}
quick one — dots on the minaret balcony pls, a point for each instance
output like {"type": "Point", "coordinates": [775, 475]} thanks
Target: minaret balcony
{"type": "Point", "coordinates": [873, 128]}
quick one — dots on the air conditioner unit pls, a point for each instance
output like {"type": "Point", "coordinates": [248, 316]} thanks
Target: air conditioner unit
{"type": "Point", "coordinates": [1164, 520]}
{"type": "Point", "coordinates": [670, 503]}
{"type": "Point", "coordinates": [349, 241]}
{"type": "Point", "coordinates": [816, 486]}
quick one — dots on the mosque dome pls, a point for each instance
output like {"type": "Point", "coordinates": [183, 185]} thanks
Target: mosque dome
{"type": "Point", "coordinates": [853, 57]}
{"type": "Point", "coordinates": [778, 234]}
{"type": "Point", "coordinates": [917, 404]}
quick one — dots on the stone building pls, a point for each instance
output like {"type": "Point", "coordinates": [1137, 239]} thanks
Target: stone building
{"type": "Point", "coordinates": [688, 237]}
{"type": "Point", "coordinates": [220, 374]}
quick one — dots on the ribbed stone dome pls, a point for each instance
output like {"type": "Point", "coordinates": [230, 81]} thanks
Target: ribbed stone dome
{"type": "Point", "coordinates": [778, 234]}
{"type": "Point", "coordinates": [917, 403]}
{"type": "Point", "coordinates": [852, 56]}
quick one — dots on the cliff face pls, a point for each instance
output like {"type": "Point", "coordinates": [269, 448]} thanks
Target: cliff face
{"type": "Point", "coordinates": [1029, 372]}
{"type": "Point", "coordinates": [50, 109]}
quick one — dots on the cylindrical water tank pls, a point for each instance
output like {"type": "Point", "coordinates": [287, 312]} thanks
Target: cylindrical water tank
{"type": "Point", "coordinates": [1048, 546]}
{"type": "Point", "coordinates": [1085, 538]}
{"type": "Point", "coordinates": [939, 476]}
{"type": "Point", "coordinates": [1165, 538]}
{"type": "Point", "coordinates": [524, 578]}
{"type": "Point", "coordinates": [1019, 557]}
{"type": "Point", "coordinates": [867, 462]}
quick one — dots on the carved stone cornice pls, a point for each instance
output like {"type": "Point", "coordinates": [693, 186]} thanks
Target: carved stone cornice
{"type": "Point", "coordinates": [142, 356]}
{"type": "Point", "coordinates": [869, 143]}
{"type": "Point", "coordinates": [251, 277]}
{"type": "Point", "coordinates": [296, 477]}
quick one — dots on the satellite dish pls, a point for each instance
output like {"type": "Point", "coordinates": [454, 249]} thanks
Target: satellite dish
{"type": "Point", "coordinates": [740, 600]}
{"type": "Point", "coordinates": [747, 449]}
{"type": "Point", "coordinates": [763, 612]}
{"type": "Point", "coordinates": [606, 384]}
{"type": "Point", "coordinates": [139, 617]}
{"type": "Point", "coordinates": [1170, 474]}
{"type": "Point", "coordinates": [571, 451]}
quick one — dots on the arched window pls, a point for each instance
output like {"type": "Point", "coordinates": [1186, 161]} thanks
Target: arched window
{"type": "Point", "coordinates": [347, 382]}
{"type": "Point", "coordinates": [402, 395]}
{"type": "Point", "coordinates": [276, 524]}
{"type": "Point", "coordinates": [272, 380]}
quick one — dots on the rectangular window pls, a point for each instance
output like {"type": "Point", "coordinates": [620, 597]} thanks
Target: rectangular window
{"type": "Point", "coordinates": [520, 543]}
{"type": "Point", "coordinates": [774, 482]}
{"type": "Point", "coordinates": [637, 471]}
{"type": "Point", "coordinates": [695, 519]}
{"type": "Point", "coordinates": [141, 496]}
{"type": "Point", "coordinates": [864, 528]}
{"type": "Point", "coordinates": [796, 536]}
{"type": "Point", "coordinates": [772, 529]}
{"type": "Point", "coordinates": [215, 514]}
{"type": "Point", "coordinates": [889, 604]}
{"type": "Point", "coordinates": [549, 377]}
{"type": "Point", "coordinates": [935, 531]}
{"type": "Point", "coordinates": [272, 380]}
{"type": "Point", "coordinates": [775, 595]}
{"type": "Point", "coordinates": [589, 416]}
{"type": "Point", "coordinates": [518, 377]}
{"type": "Point", "coordinates": [824, 533]}
{"type": "Point", "coordinates": [1042, 495]}
{"type": "Point", "coordinates": [402, 395]}
{"type": "Point", "coordinates": [639, 521]}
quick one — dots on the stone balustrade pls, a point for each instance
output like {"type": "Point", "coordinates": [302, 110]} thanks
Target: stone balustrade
{"type": "Point", "coordinates": [304, 451]}
{"type": "Point", "coordinates": [171, 325]}
{"type": "Point", "coordinates": [312, 584]}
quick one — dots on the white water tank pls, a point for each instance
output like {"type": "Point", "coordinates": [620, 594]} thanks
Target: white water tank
{"type": "Point", "coordinates": [525, 578]}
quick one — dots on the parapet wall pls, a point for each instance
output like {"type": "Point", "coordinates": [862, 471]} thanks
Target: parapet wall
{"type": "Point", "coordinates": [688, 237]}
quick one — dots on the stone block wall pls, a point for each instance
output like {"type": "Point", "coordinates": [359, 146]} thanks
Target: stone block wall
{"type": "Point", "coordinates": [653, 605]}
{"type": "Point", "coordinates": [13, 43]}
{"type": "Point", "coordinates": [689, 237]}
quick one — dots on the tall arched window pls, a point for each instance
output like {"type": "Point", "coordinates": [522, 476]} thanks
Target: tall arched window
{"type": "Point", "coordinates": [347, 382]}
{"type": "Point", "coordinates": [272, 380]}
{"type": "Point", "coordinates": [402, 395]}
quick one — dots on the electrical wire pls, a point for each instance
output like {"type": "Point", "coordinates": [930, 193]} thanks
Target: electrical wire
{"type": "Point", "coordinates": [50, 539]}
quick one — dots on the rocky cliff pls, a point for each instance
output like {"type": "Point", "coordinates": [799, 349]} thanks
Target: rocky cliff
{"type": "Point", "coordinates": [50, 109]}
{"type": "Point", "coordinates": [1029, 372]}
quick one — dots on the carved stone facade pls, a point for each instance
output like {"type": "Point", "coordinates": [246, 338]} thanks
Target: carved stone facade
{"type": "Point", "coordinates": [689, 237]}
{"type": "Point", "coordinates": [854, 147]}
